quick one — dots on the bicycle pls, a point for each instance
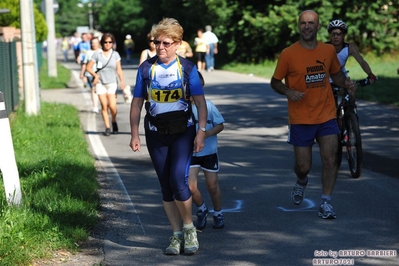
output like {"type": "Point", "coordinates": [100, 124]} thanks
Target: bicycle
{"type": "Point", "coordinates": [348, 123]}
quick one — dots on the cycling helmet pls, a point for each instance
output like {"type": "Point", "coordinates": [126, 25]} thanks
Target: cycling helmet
{"type": "Point", "coordinates": [337, 24]}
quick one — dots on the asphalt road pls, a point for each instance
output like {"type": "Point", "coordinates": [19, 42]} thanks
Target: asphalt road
{"type": "Point", "coordinates": [263, 227]}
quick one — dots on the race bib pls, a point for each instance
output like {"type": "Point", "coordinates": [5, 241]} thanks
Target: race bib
{"type": "Point", "coordinates": [166, 96]}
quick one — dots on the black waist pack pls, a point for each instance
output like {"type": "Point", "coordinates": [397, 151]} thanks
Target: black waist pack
{"type": "Point", "coordinates": [169, 123]}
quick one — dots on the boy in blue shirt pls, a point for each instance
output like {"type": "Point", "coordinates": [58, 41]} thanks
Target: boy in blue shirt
{"type": "Point", "coordinates": [208, 161]}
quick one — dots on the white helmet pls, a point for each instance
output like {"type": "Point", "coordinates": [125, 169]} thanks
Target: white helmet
{"type": "Point", "coordinates": [337, 24]}
{"type": "Point", "coordinates": [128, 36]}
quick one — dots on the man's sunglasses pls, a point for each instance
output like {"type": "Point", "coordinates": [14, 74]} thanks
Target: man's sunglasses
{"type": "Point", "coordinates": [165, 44]}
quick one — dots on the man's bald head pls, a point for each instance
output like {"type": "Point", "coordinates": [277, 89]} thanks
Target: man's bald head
{"type": "Point", "coordinates": [309, 14]}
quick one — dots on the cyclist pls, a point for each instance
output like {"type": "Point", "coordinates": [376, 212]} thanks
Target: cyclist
{"type": "Point", "coordinates": [337, 30]}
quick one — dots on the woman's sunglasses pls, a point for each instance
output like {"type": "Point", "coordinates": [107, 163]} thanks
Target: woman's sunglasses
{"type": "Point", "coordinates": [165, 44]}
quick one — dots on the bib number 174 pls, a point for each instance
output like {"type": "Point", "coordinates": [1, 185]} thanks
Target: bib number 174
{"type": "Point", "coordinates": [166, 96]}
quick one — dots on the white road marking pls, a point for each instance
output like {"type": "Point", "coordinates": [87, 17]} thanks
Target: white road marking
{"type": "Point", "coordinates": [102, 155]}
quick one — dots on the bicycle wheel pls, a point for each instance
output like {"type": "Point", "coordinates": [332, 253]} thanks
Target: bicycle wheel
{"type": "Point", "coordinates": [354, 147]}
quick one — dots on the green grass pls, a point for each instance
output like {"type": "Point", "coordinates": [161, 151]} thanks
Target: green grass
{"type": "Point", "coordinates": [61, 81]}
{"type": "Point", "coordinates": [59, 187]}
{"type": "Point", "coordinates": [385, 91]}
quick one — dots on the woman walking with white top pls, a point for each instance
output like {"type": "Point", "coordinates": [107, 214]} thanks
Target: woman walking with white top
{"type": "Point", "coordinates": [109, 69]}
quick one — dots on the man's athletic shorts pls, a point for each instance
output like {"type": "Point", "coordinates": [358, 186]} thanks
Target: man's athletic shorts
{"type": "Point", "coordinates": [209, 163]}
{"type": "Point", "coordinates": [301, 135]}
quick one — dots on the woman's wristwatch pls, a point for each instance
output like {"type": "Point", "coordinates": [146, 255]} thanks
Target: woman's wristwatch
{"type": "Point", "coordinates": [202, 128]}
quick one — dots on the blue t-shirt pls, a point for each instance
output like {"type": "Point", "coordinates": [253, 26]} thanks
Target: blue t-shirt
{"type": "Point", "coordinates": [214, 118]}
{"type": "Point", "coordinates": [84, 47]}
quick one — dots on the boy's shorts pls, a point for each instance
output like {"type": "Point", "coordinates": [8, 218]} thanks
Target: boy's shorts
{"type": "Point", "coordinates": [209, 163]}
{"type": "Point", "coordinates": [109, 88]}
{"type": "Point", "coordinates": [301, 135]}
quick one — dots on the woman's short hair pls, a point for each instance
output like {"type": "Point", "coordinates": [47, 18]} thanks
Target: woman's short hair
{"type": "Point", "coordinates": [169, 27]}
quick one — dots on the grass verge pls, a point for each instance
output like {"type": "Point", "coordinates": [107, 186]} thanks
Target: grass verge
{"type": "Point", "coordinates": [61, 81]}
{"type": "Point", "coordinates": [59, 187]}
{"type": "Point", "coordinates": [384, 91]}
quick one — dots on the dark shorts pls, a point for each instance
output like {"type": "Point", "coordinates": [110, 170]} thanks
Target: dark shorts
{"type": "Point", "coordinates": [209, 163]}
{"type": "Point", "coordinates": [304, 135]}
{"type": "Point", "coordinates": [201, 56]}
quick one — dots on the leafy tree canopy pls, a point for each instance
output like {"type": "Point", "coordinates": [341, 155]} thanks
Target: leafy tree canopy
{"type": "Point", "coordinates": [248, 30]}
{"type": "Point", "coordinates": [13, 18]}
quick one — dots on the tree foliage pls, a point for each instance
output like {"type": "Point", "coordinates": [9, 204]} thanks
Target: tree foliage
{"type": "Point", "coordinates": [120, 18]}
{"type": "Point", "coordinates": [256, 31]}
{"type": "Point", "coordinates": [69, 16]}
{"type": "Point", "coordinates": [13, 18]}
{"type": "Point", "coordinates": [249, 30]}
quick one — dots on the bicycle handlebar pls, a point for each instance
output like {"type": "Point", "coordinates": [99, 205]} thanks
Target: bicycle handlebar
{"type": "Point", "coordinates": [364, 82]}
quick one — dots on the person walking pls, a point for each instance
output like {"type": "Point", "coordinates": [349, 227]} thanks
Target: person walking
{"type": "Point", "coordinates": [129, 47]}
{"type": "Point", "coordinates": [166, 82]}
{"type": "Point", "coordinates": [211, 49]}
{"type": "Point", "coordinates": [208, 161]}
{"type": "Point", "coordinates": [75, 41]}
{"type": "Point", "coordinates": [95, 46]}
{"type": "Point", "coordinates": [306, 67]}
{"type": "Point", "coordinates": [200, 49]}
{"type": "Point", "coordinates": [184, 49]}
{"type": "Point", "coordinates": [150, 52]}
{"type": "Point", "coordinates": [84, 46]}
{"type": "Point", "coordinates": [109, 69]}
{"type": "Point", "coordinates": [65, 46]}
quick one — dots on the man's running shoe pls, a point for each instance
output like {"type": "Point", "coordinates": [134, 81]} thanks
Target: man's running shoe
{"type": "Point", "coordinates": [298, 193]}
{"type": "Point", "coordinates": [326, 211]}
{"type": "Point", "coordinates": [218, 221]}
{"type": "Point", "coordinates": [201, 219]}
{"type": "Point", "coordinates": [176, 245]}
{"type": "Point", "coordinates": [191, 244]}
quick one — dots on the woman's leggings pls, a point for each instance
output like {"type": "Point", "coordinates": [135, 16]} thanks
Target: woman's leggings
{"type": "Point", "coordinates": [171, 157]}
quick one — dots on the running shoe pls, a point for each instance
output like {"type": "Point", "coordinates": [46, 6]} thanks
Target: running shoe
{"type": "Point", "coordinates": [298, 193]}
{"type": "Point", "coordinates": [201, 219]}
{"type": "Point", "coordinates": [326, 211]}
{"type": "Point", "coordinates": [191, 244]}
{"type": "Point", "coordinates": [176, 245]}
{"type": "Point", "coordinates": [95, 110]}
{"type": "Point", "coordinates": [218, 221]}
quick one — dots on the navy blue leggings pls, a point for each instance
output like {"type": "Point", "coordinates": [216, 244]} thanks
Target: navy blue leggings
{"type": "Point", "coordinates": [171, 157]}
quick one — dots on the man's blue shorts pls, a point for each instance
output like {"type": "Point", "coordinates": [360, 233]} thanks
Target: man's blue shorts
{"type": "Point", "coordinates": [302, 135]}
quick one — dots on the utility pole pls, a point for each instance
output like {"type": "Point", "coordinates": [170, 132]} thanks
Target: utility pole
{"type": "Point", "coordinates": [51, 52]}
{"type": "Point", "coordinates": [90, 5]}
{"type": "Point", "coordinates": [29, 59]}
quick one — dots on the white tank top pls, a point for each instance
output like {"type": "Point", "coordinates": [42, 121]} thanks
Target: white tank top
{"type": "Point", "coordinates": [342, 58]}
